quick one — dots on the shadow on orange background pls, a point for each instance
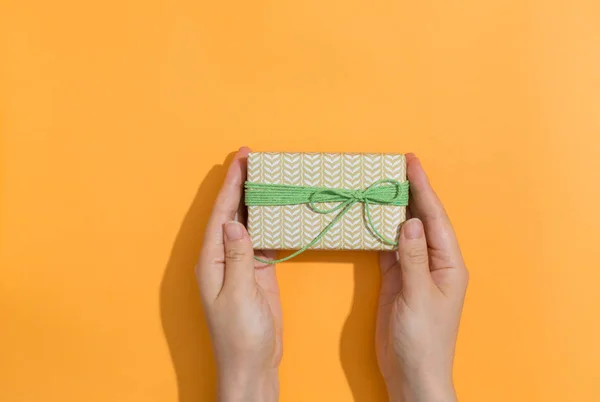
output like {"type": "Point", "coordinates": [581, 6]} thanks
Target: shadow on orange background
{"type": "Point", "coordinates": [186, 330]}
{"type": "Point", "coordinates": [180, 308]}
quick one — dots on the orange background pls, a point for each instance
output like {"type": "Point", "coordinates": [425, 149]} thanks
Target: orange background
{"type": "Point", "coordinates": [116, 118]}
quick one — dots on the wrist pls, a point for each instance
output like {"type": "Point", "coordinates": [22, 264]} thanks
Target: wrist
{"type": "Point", "coordinates": [248, 386]}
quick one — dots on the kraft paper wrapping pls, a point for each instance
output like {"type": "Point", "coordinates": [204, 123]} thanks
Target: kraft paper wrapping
{"type": "Point", "coordinates": [291, 227]}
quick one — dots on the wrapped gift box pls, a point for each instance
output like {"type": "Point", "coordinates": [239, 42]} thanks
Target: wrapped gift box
{"type": "Point", "coordinates": [290, 227]}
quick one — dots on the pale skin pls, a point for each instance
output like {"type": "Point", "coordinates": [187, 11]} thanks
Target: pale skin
{"type": "Point", "coordinates": [420, 304]}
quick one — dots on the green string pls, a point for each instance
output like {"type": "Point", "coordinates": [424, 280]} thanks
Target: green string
{"type": "Point", "coordinates": [382, 192]}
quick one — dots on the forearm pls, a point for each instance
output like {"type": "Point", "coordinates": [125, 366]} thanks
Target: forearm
{"type": "Point", "coordinates": [248, 386]}
{"type": "Point", "coordinates": [422, 389]}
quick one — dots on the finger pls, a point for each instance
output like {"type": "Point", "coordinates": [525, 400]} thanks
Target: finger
{"type": "Point", "coordinates": [229, 198]}
{"type": "Point", "coordinates": [239, 259]}
{"type": "Point", "coordinates": [241, 215]}
{"type": "Point", "coordinates": [414, 261]}
{"type": "Point", "coordinates": [210, 269]}
{"type": "Point", "coordinates": [391, 277]}
{"type": "Point", "coordinates": [265, 255]}
{"type": "Point", "coordinates": [265, 274]}
{"type": "Point", "coordinates": [424, 200]}
{"type": "Point", "coordinates": [387, 260]}
{"type": "Point", "coordinates": [426, 205]}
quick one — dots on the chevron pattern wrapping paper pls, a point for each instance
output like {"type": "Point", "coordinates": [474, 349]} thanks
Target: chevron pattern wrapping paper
{"type": "Point", "coordinates": [291, 227]}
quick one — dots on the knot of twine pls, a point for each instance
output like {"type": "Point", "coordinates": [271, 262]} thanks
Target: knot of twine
{"type": "Point", "coordinates": [382, 192]}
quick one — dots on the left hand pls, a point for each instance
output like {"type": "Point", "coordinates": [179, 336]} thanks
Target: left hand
{"type": "Point", "coordinates": [240, 298]}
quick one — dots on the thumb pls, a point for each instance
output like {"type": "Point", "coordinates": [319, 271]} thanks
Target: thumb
{"type": "Point", "coordinates": [239, 258]}
{"type": "Point", "coordinates": [414, 259]}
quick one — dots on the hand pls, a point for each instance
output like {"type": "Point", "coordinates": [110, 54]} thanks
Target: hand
{"type": "Point", "coordinates": [420, 304]}
{"type": "Point", "coordinates": [240, 298]}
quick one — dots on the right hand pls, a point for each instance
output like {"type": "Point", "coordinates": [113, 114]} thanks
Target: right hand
{"type": "Point", "coordinates": [421, 299]}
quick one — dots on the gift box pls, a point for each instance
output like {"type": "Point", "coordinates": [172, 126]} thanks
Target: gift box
{"type": "Point", "coordinates": [327, 201]}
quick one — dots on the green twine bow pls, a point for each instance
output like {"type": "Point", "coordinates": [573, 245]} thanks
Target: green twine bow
{"type": "Point", "coordinates": [382, 192]}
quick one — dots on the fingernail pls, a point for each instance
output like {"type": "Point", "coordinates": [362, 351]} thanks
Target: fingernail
{"type": "Point", "coordinates": [410, 155]}
{"type": "Point", "coordinates": [413, 229]}
{"type": "Point", "coordinates": [233, 230]}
